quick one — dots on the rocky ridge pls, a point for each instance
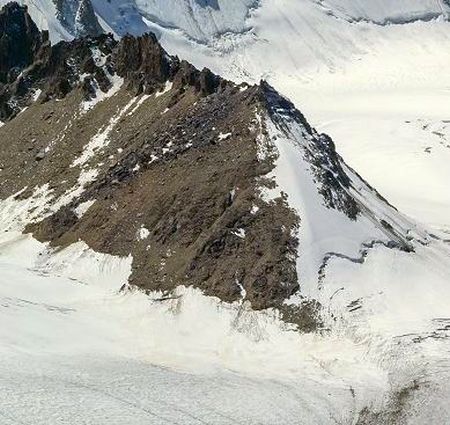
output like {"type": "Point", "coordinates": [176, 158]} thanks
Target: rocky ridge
{"type": "Point", "coordinates": [133, 151]}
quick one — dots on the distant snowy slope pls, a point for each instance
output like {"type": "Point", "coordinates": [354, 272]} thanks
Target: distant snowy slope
{"type": "Point", "coordinates": [120, 17]}
{"type": "Point", "coordinates": [199, 19]}
{"type": "Point", "coordinates": [385, 11]}
{"type": "Point", "coordinates": [205, 21]}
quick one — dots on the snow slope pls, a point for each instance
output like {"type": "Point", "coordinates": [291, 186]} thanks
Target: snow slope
{"type": "Point", "coordinates": [385, 11]}
{"type": "Point", "coordinates": [74, 346]}
{"type": "Point", "coordinates": [120, 17]}
{"type": "Point", "coordinates": [200, 20]}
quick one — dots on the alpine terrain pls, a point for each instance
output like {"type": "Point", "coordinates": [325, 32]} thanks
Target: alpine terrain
{"type": "Point", "coordinates": [179, 244]}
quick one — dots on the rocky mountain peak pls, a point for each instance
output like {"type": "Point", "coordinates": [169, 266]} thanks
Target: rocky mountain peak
{"type": "Point", "coordinates": [204, 182]}
{"type": "Point", "coordinates": [142, 62]}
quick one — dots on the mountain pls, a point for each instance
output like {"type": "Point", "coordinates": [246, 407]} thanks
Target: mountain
{"type": "Point", "coordinates": [207, 157]}
{"type": "Point", "coordinates": [173, 241]}
{"type": "Point", "coordinates": [351, 66]}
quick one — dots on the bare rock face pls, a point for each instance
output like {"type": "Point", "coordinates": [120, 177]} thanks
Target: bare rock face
{"type": "Point", "coordinates": [20, 41]}
{"type": "Point", "coordinates": [142, 62]}
{"type": "Point", "coordinates": [183, 164]}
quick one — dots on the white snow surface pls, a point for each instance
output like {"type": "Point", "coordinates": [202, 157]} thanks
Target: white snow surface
{"type": "Point", "coordinates": [73, 345]}
{"type": "Point", "coordinates": [167, 87]}
{"type": "Point", "coordinates": [83, 208]}
{"type": "Point", "coordinates": [387, 11]}
{"type": "Point", "coordinates": [120, 17]}
{"type": "Point", "coordinates": [99, 95]}
{"type": "Point", "coordinates": [143, 233]}
{"type": "Point", "coordinates": [326, 231]}
{"type": "Point", "coordinates": [101, 139]}
{"type": "Point", "coordinates": [198, 19]}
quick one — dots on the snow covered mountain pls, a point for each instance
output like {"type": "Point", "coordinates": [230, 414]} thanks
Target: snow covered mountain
{"type": "Point", "coordinates": [177, 247]}
{"type": "Point", "coordinates": [205, 20]}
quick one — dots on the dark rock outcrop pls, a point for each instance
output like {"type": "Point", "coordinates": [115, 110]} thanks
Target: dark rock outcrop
{"type": "Point", "coordinates": [142, 62]}
{"type": "Point", "coordinates": [29, 62]}
{"type": "Point", "coordinates": [20, 41]}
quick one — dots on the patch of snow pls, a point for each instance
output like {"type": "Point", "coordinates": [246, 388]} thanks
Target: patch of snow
{"type": "Point", "coordinates": [85, 178]}
{"type": "Point", "coordinates": [168, 86]}
{"type": "Point", "coordinates": [99, 57]}
{"type": "Point", "coordinates": [82, 209]}
{"type": "Point", "coordinates": [240, 233]}
{"type": "Point", "coordinates": [224, 136]}
{"type": "Point", "coordinates": [101, 139]}
{"type": "Point", "coordinates": [167, 149]}
{"type": "Point", "coordinates": [143, 98]}
{"type": "Point", "coordinates": [36, 94]}
{"type": "Point", "coordinates": [100, 95]}
{"type": "Point", "coordinates": [242, 289]}
{"type": "Point", "coordinates": [15, 214]}
{"type": "Point", "coordinates": [153, 158]}
{"type": "Point", "coordinates": [254, 209]}
{"type": "Point", "coordinates": [143, 233]}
